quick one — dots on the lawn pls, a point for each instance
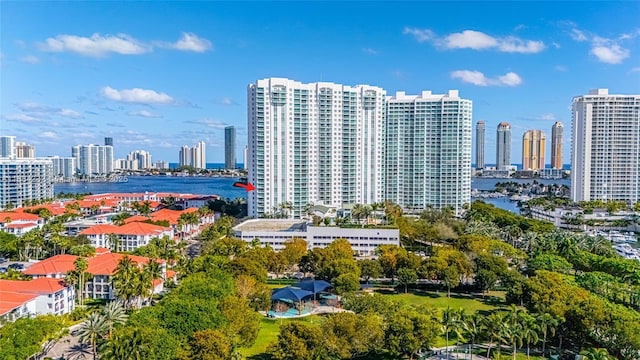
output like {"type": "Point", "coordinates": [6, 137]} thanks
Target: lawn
{"type": "Point", "coordinates": [269, 330]}
{"type": "Point", "coordinates": [440, 300]}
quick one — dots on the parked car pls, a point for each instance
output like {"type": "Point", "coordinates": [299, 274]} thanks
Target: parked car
{"type": "Point", "coordinates": [16, 266]}
{"type": "Point", "coordinates": [3, 270]}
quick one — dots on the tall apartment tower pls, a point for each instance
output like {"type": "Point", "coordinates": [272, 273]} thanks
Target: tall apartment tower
{"type": "Point", "coordinates": [185, 156]}
{"type": "Point", "coordinates": [93, 159]}
{"type": "Point", "coordinates": [24, 179]}
{"type": "Point", "coordinates": [428, 157]}
{"type": "Point", "coordinates": [108, 141]}
{"type": "Point", "coordinates": [8, 146]}
{"type": "Point", "coordinates": [605, 147]}
{"type": "Point", "coordinates": [503, 146]}
{"type": "Point", "coordinates": [480, 127]}
{"type": "Point", "coordinates": [230, 147]}
{"type": "Point", "coordinates": [25, 151]}
{"type": "Point", "coordinates": [556, 145]}
{"type": "Point", "coordinates": [199, 155]}
{"type": "Point", "coordinates": [318, 143]}
{"type": "Point", "coordinates": [533, 145]}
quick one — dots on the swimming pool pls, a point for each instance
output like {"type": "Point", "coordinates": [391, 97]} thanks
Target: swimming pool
{"type": "Point", "coordinates": [289, 313]}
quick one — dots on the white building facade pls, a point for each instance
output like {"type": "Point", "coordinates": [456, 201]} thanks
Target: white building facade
{"type": "Point", "coordinates": [317, 143]}
{"type": "Point", "coordinates": [25, 179]}
{"type": "Point", "coordinates": [64, 168]}
{"type": "Point", "coordinates": [605, 151]}
{"type": "Point", "coordinates": [428, 151]}
{"type": "Point", "coordinates": [93, 159]}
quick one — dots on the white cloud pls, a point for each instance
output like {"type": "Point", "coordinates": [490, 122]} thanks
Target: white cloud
{"type": "Point", "coordinates": [635, 69]}
{"type": "Point", "coordinates": [48, 135]}
{"type": "Point", "coordinates": [70, 113]}
{"type": "Point", "coordinates": [136, 95]}
{"type": "Point", "coordinates": [191, 42]}
{"type": "Point", "coordinates": [212, 123]}
{"type": "Point", "coordinates": [227, 101]}
{"type": "Point", "coordinates": [370, 51]}
{"type": "Point", "coordinates": [144, 113]}
{"type": "Point", "coordinates": [560, 68]}
{"type": "Point", "coordinates": [547, 117]}
{"type": "Point", "coordinates": [421, 35]}
{"type": "Point", "coordinates": [24, 118]}
{"type": "Point", "coordinates": [96, 46]}
{"type": "Point", "coordinates": [477, 40]}
{"type": "Point", "coordinates": [478, 78]}
{"type": "Point", "coordinates": [470, 39]}
{"type": "Point", "coordinates": [44, 111]}
{"type": "Point", "coordinates": [30, 59]}
{"type": "Point", "coordinates": [613, 54]}
{"type": "Point", "coordinates": [606, 50]}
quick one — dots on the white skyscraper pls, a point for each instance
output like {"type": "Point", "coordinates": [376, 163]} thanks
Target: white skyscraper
{"type": "Point", "coordinates": [93, 159]}
{"type": "Point", "coordinates": [64, 168]}
{"type": "Point", "coordinates": [185, 156]}
{"type": "Point", "coordinates": [199, 155]}
{"type": "Point", "coordinates": [428, 159]}
{"type": "Point", "coordinates": [8, 146]}
{"type": "Point", "coordinates": [317, 143]}
{"type": "Point", "coordinates": [605, 151]}
{"type": "Point", "coordinates": [24, 179]}
{"type": "Point", "coordinates": [139, 160]}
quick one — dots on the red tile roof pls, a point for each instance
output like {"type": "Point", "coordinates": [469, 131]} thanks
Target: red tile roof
{"type": "Point", "coordinates": [17, 216]}
{"type": "Point", "coordinates": [35, 286]}
{"type": "Point", "coordinates": [171, 216]}
{"type": "Point", "coordinates": [102, 250]}
{"type": "Point", "coordinates": [135, 218]}
{"type": "Point", "coordinates": [106, 264]}
{"type": "Point", "coordinates": [21, 225]}
{"type": "Point", "coordinates": [10, 300]}
{"type": "Point", "coordinates": [170, 274]}
{"type": "Point", "coordinates": [59, 264]}
{"type": "Point", "coordinates": [100, 229]}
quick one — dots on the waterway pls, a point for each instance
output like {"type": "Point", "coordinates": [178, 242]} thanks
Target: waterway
{"type": "Point", "coordinates": [224, 187]}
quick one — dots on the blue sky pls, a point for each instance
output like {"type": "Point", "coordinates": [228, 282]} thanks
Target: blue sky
{"type": "Point", "coordinates": [156, 76]}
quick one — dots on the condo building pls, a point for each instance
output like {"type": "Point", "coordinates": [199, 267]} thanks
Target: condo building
{"type": "Point", "coordinates": [533, 145]}
{"type": "Point", "coordinates": [93, 159]}
{"type": "Point", "coordinates": [64, 168]}
{"type": "Point", "coordinates": [195, 157]}
{"type": "Point", "coordinates": [318, 143]}
{"type": "Point", "coordinates": [428, 156]}
{"type": "Point", "coordinates": [331, 144]}
{"type": "Point", "coordinates": [25, 179]}
{"type": "Point", "coordinates": [8, 146]}
{"type": "Point", "coordinates": [25, 151]}
{"type": "Point", "coordinates": [230, 147]}
{"type": "Point", "coordinates": [480, 129]}
{"type": "Point", "coordinates": [605, 151]}
{"type": "Point", "coordinates": [503, 146]}
{"type": "Point", "coordinates": [556, 145]}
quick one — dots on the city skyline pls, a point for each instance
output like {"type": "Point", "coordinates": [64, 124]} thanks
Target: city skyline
{"type": "Point", "coordinates": [523, 70]}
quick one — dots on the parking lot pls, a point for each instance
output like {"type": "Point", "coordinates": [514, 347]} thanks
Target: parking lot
{"type": "Point", "coordinates": [5, 264]}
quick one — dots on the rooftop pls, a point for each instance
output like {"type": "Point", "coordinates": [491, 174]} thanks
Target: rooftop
{"type": "Point", "coordinates": [272, 225]}
{"type": "Point", "coordinates": [35, 286]}
{"type": "Point", "coordinates": [10, 300]}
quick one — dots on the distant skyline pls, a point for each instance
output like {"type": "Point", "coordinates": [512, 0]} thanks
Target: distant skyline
{"type": "Point", "coordinates": [155, 76]}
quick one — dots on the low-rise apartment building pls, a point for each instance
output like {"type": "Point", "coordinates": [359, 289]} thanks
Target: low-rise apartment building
{"type": "Point", "coordinates": [41, 296]}
{"type": "Point", "coordinates": [130, 235]}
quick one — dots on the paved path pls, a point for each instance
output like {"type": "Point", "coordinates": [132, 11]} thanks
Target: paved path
{"type": "Point", "coordinates": [67, 347]}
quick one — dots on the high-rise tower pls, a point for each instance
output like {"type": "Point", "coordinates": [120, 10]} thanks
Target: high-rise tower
{"type": "Point", "coordinates": [480, 127]}
{"type": "Point", "coordinates": [428, 157]}
{"type": "Point", "coordinates": [503, 146]}
{"type": "Point", "coordinates": [108, 141]}
{"type": "Point", "coordinates": [605, 151]}
{"type": "Point", "coordinates": [533, 145]}
{"type": "Point", "coordinates": [230, 147]}
{"type": "Point", "coordinates": [556, 145]}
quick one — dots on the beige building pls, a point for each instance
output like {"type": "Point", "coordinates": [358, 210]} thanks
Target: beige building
{"type": "Point", "coordinates": [556, 145]}
{"type": "Point", "coordinates": [533, 145]}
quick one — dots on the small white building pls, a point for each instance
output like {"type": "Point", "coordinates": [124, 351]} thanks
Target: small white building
{"type": "Point", "coordinates": [275, 232]}
{"type": "Point", "coordinates": [42, 296]}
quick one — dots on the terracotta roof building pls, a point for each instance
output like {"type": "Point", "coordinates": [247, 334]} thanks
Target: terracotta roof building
{"type": "Point", "coordinates": [35, 297]}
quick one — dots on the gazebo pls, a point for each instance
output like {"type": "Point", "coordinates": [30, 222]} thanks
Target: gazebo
{"type": "Point", "coordinates": [291, 294]}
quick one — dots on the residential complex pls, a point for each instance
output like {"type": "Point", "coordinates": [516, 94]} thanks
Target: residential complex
{"type": "Point", "coordinates": [480, 130]}
{"type": "Point", "coordinates": [25, 151]}
{"type": "Point", "coordinates": [136, 160]}
{"type": "Point", "coordinates": [230, 147]}
{"type": "Point", "coordinates": [25, 179]}
{"type": "Point", "coordinates": [503, 146]}
{"type": "Point", "coordinates": [195, 157]}
{"type": "Point", "coordinates": [605, 151]}
{"type": "Point", "coordinates": [331, 144]}
{"type": "Point", "coordinates": [428, 151]}
{"type": "Point", "coordinates": [556, 145]}
{"type": "Point", "coordinates": [64, 168]}
{"type": "Point", "coordinates": [44, 296]}
{"type": "Point", "coordinates": [7, 146]}
{"type": "Point", "coordinates": [276, 233]}
{"type": "Point", "coordinates": [93, 160]}
{"type": "Point", "coordinates": [533, 145]}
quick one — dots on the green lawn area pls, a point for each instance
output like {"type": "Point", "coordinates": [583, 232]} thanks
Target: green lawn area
{"type": "Point", "coordinates": [269, 329]}
{"type": "Point", "coordinates": [440, 300]}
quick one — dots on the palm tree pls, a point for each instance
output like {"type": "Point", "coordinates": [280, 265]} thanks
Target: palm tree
{"type": "Point", "coordinates": [596, 354]}
{"type": "Point", "coordinates": [153, 271]}
{"type": "Point", "coordinates": [91, 329]}
{"type": "Point", "coordinates": [128, 346]}
{"type": "Point", "coordinates": [81, 265]}
{"type": "Point", "coordinates": [473, 327]}
{"type": "Point", "coordinates": [548, 324]}
{"type": "Point", "coordinates": [125, 280]}
{"type": "Point", "coordinates": [114, 314]}
{"type": "Point", "coordinates": [529, 330]}
{"type": "Point", "coordinates": [449, 321]}
{"type": "Point", "coordinates": [114, 242]}
{"type": "Point", "coordinates": [492, 325]}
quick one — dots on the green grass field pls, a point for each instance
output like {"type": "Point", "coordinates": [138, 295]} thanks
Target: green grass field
{"type": "Point", "coordinates": [269, 328]}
